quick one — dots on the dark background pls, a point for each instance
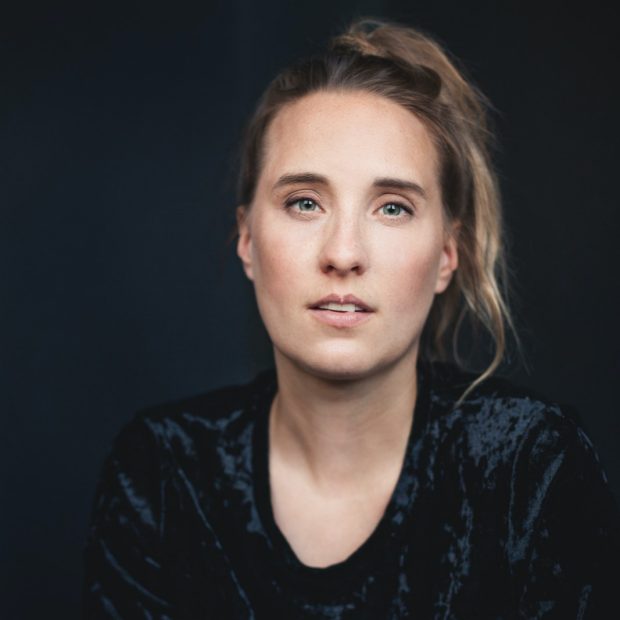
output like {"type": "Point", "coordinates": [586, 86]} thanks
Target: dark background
{"type": "Point", "coordinates": [117, 131]}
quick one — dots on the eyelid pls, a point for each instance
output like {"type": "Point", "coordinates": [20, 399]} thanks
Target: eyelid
{"type": "Point", "coordinates": [406, 205]}
{"type": "Point", "coordinates": [290, 201]}
{"type": "Point", "coordinates": [295, 199]}
{"type": "Point", "coordinates": [301, 192]}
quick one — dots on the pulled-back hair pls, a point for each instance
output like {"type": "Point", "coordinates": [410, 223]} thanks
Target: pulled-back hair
{"type": "Point", "coordinates": [411, 69]}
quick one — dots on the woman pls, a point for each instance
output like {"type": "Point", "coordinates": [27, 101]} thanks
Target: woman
{"type": "Point", "coordinates": [363, 477]}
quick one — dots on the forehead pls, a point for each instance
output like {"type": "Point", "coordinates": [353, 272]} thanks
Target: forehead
{"type": "Point", "coordinates": [347, 136]}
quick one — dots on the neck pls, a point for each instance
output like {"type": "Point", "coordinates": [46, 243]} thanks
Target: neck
{"type": "Point", "coordinates": [343, 434]}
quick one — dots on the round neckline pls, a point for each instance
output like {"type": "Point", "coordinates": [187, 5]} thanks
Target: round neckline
{"type": "Point", "coordinates": [386, 532]}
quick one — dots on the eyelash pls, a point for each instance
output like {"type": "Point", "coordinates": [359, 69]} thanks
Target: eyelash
{"type": "Point", "coordinates": [400, 205]}
{"type": "Point", "coordinates": [290, 203]}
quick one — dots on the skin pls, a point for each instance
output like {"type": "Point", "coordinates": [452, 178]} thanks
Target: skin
{"type": "Point", "coordinates": [340, 420]}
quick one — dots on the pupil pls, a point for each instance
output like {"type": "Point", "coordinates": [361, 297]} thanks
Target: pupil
{"type": "Point", "coordinates": [307, 204]}
{"type": "Point", "coordinates": [392, 209]}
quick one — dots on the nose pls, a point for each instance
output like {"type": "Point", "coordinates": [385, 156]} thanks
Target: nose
{"type": "Point", "coordinates": [343, 250]}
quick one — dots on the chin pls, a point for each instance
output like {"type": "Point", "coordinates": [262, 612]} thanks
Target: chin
{"type": "Point", "coordinates": [340, 373]}
{"type": "Point", "coordinates": [340, 365]}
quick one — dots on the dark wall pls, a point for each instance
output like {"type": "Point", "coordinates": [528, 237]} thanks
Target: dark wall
{"type": "Point", "coordinates": [117, 130]}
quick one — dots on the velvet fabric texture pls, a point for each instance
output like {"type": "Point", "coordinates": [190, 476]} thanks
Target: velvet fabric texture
{"type": "Point", "coordinates": [501, 511]}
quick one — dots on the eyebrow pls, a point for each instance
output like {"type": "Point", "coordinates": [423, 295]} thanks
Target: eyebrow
{"type": "Point", "coordinates": [392, 183]}
{"type": "Point", "coordinates": [381, 183]}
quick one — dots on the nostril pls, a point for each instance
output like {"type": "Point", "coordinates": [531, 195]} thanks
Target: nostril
{"type": "Point", "coordinates": [343, 270]}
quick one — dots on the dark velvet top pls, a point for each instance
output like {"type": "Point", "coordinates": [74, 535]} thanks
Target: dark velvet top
{"type": "Point", "coordinates": [501, 511]}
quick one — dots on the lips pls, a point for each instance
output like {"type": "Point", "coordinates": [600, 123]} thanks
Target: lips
{"type": "Point", "coordinates": [341, 303]}
{"type": "Point", "coordinates": [341, 312]}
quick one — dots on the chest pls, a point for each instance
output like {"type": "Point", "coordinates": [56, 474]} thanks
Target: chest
{"type": "Point", "coordinates": [324, 531]}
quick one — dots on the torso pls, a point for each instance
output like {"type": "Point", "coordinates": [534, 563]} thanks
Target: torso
{"type": "Point", "coordinates": [501, 511]}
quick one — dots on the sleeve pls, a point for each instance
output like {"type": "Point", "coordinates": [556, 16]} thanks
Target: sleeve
{"type": "Point", "coordinates": [123, 553]}
{"type": "Point", "coordinates": [569, 543]}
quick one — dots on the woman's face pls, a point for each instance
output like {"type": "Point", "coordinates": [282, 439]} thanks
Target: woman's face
{"type": "Point", "coordinates": [346, 241]}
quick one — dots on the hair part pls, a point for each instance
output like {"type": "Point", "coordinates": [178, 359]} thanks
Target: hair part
{"type": "Point", "coordinates": [411, 69]}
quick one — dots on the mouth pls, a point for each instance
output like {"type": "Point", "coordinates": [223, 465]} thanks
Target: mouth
{"type": "Point", "coordinates": [334, 307]}
{"type": "Point", "coordinates": [342, 313]}
{"type": "Point", "coordinates": [338, 303]}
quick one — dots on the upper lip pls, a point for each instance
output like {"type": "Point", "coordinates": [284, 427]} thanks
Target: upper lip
{"type": "Point", "coordinates": [342, 299]}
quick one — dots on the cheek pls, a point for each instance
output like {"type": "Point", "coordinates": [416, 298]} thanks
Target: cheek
{"type": "Point", "coordinates": [411, 276]}
{"type": "Point", "coordinates": [278, 265]}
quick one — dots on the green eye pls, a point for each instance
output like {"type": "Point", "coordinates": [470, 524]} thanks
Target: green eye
{"type": "Point", "coordinates": [392, 209]}
{"type": "Point", "coordinates": [304, 204]}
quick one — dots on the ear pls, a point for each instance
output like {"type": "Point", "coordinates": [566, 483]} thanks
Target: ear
{"type": "Point", "coordinates": [244, 243]}
{"type": "Point", "coordinates": [449, 260]}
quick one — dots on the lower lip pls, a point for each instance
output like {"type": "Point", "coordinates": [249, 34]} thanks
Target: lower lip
{"type": "Point", "coordinates": [340, 319]}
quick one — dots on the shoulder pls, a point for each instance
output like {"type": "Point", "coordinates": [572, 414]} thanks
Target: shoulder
{"type": "Point", "coordinates": [496, 399]}
{"type": "Point", "coordinates": [505, 436]}
{"type": "Point", "coordinates": [187, 438]}
{"type": "Point", "coordinates": [507, 420]}
{"type": "Point", "coordinates": [179, 425]}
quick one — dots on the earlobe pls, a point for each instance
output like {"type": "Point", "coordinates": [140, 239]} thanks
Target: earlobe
{"type": "Point", "coordinates": [244, 242]}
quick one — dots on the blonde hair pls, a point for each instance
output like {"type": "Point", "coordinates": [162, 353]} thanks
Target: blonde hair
{"type": "Point", "coordinates": [410, 68]}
